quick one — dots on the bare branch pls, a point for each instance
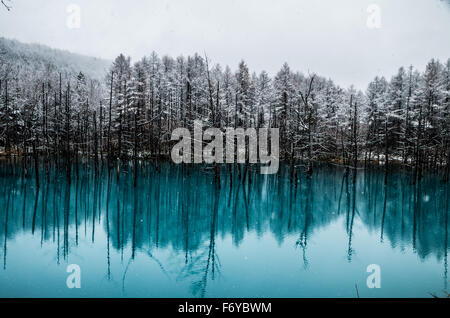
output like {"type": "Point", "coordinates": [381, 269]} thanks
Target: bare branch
{"type": "Point", "coordinates": [8, 7]}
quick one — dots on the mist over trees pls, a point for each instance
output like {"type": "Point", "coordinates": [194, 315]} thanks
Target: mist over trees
{"type": "Point", "coordinates": [52, 113]}
{"type": "Point", "coordinates": [36, 57]}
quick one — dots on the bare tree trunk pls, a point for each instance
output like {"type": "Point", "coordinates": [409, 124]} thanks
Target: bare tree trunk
{"type": "Point", "coordinates": [110, 112]}
{"type": "Point", "coordinates": [36, 163]}
{"type": "Point", "coordinates": [386, 158]}
{"type": "Point", "coordinates": [95, 144]}
{"type": "Point", "coordinates": [135, 161]}
{"type": "Point", "coordinates": [67, 154]}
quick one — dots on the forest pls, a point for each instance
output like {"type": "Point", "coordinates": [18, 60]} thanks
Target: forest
{"type": "Point", "coordinates": [60, 116]}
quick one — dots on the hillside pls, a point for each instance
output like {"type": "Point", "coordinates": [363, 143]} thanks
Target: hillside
{"type": "Point", "coordinates": [37, 54]}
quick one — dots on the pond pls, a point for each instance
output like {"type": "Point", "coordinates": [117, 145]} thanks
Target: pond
{"type": "Point", "coordinates": [179, 234]}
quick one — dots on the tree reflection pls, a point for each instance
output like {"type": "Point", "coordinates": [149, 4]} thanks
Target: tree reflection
{"type": "Point", "coordinates": [184, 209]}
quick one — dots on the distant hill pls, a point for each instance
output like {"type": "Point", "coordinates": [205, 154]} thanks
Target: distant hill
{"type": "Point", "coordinates": [26, 54]}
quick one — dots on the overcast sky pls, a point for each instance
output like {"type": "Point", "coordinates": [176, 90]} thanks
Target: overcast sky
{"type": "Point", "coordinates": [328, 37]}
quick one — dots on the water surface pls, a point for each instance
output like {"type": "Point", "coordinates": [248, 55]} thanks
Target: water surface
{"type": "Point", "coordinates": [178, 234]}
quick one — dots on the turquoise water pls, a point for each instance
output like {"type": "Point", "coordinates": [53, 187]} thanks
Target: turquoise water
{"type": "Point", "coordinates": [178, 234]}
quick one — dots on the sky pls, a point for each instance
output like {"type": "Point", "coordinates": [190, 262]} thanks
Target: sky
{"type": "Point", "coordinates": [349, 41]}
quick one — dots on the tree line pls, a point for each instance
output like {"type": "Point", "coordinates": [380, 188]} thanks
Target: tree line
{"type": "Point", "coordinates": [51, 116]}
